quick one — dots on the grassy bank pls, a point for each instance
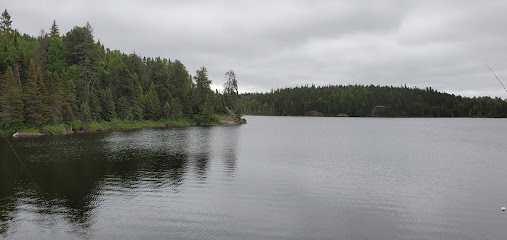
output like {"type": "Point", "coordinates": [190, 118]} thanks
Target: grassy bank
{"type": "Point", "coordinates": [116, 124]}
{"type": "Point", "coordinates": [94, 126]}
{"type": "Point", "coordinates": [129, 124]}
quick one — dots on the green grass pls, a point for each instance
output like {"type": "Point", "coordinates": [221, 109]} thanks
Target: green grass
{"type": "Point", "coordinates": [130, 124]}
{"type": "Point", "coordinates": [12, 130]}
{"type": "Point", "coordinates": [115, 124]}
{"type": "Point", "coordinates": [56, 128]}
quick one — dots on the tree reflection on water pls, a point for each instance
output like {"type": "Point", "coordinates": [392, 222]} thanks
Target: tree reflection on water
{"type": "Point", "coordinates": [71, 173]}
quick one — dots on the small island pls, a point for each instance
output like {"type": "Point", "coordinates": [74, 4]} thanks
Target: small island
{"type": "Point", "coordinates": [69, 83]}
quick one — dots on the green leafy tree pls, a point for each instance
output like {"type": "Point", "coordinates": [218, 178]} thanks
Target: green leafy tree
{"type": "Point", "coordinates": [56, 55]}
{"type": "Point", "coordinates": [81, 50]}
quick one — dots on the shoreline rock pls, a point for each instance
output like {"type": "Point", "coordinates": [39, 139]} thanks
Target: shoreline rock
{"type": "Point", "coordinates": [223, 121]}
{"type": "Point", "coordinates": [27, 134]}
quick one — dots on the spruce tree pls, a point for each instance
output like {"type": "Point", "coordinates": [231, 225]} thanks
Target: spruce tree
{"type": "Point", "coordinates": [138, 103]}
{"type": "Point", "coordinates": [176, 108]}
{"type": "Point", "coordinates": [180, 79]}
{"type": "Point", "coordinates": [108, 111]}
{"type": "Point", "coordinates": [56, 96]}
{"type": "Point", "coordinates": [69, 100]}
{"type": "Point", "coordinates": [55, 31]}
{"type": "Point", "coordinates": [85, 113]}
{"type": "Point", "coordinates": [42, 85]}
{"type": "Point", "coordinates": [152, 104]}
{"type": "Point", "coordinates": [94, 106]}
{"type": "Point", "coordinates": [123, 110]}
{"type": "Point", "coordinates": [34, 99]}
{"type": "Point", "coordinates": [208, 107]}
{"type": "Point", "coordinates": [5, 22]}
{"type": "Point", "coordinates": [167, 110]}
{"type": "Point", "coordinates": [11, 100]}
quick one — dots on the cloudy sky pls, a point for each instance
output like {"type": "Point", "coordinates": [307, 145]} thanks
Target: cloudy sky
{"type": "Point", "coordinates": [270, 44]}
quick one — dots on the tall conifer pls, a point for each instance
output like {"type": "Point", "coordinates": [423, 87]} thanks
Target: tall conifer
{"type": "Point", "coordinates": [34, 99]}
{"type": "Point", "coordinates": [11, 100]}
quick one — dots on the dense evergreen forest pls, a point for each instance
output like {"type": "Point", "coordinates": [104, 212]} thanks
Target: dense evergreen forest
{"type": "Point", "coordinates": [365, 101]}
{"type": "Point", "coordinates": [73, 79]}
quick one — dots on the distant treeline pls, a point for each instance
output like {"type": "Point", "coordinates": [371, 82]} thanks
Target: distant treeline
{"type": "Point", "coordinates": [73, 79]}
{"type": "Point", "coordinates": [365, 101]}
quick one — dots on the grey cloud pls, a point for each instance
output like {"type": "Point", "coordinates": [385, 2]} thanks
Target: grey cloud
{"type": "Point", "coordinates": [270, 44]}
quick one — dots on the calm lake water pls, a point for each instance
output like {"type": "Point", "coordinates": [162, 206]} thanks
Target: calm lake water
{"type": "Point", "coordinates": [274, 178]}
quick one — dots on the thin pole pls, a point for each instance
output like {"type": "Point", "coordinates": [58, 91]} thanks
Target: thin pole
{"type": "Point", "coordinates": [496, 78]}
{"type": "Point", "coordinates": [26, 170]}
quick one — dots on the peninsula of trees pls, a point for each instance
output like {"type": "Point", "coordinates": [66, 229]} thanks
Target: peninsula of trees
{"type": "Point", "coordinates": [368, 101]}
{"type": "Point", "coordinates": [73, 80]}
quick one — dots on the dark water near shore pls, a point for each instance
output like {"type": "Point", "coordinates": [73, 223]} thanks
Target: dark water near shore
{"type": "Point", "coordinates": [274, 178]}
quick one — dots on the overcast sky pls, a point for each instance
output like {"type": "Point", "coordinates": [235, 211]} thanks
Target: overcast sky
{"type": "Point", "coordinates": [270, 44]}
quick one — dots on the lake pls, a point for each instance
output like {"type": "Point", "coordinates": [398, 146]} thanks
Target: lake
{"type": "Point", "coordinates": [273, 178]}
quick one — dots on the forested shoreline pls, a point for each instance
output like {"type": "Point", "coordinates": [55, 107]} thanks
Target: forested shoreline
{"type": "Point", "coordinates": [368, 101]}
{"type": "Point", "coordinates": [71, 80]}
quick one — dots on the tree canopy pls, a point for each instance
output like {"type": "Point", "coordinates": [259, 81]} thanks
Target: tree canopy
{"type": "Point", "coordinates": [366, 101]}
{"type": "Point", "coordinates": [62, 78]}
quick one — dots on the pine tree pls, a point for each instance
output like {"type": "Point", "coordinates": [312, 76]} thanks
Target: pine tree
{"type": "Point", "coordinates": [202, 85]}
{"type": "Point", "coordinates": [5, 22]}
{"type": "Point", "coordinates": [11, 100]}
{"type": "Point", "coordinates": [231, 89]}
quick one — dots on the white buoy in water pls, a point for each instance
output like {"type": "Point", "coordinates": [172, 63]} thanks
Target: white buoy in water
{"type": "Point", "coordinates": [503, 208]}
